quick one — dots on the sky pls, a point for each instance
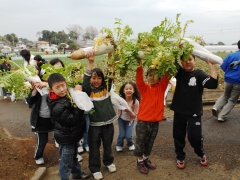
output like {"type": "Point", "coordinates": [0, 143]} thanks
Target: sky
{"type": "Point", "coordinates": [214, 20]}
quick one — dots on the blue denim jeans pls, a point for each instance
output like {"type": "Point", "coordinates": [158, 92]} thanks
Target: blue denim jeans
{"type": "Point", "coordinates": [125, 132]}
{"type": "Point", "coordinates": [5, 93]}
{"type": "Point", "coordinates": [69, 163]}
{"type": "Point", "coordinates": [85, 137]}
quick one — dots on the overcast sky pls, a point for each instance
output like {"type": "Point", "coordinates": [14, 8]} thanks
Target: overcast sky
{"type": "Point", "coordinates": [214, 20]}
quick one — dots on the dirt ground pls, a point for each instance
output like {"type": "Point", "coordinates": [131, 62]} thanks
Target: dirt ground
{"type": "Point", "coordinates": [221, 142]}
{"type": "Point", "coordinates": [16, 156]}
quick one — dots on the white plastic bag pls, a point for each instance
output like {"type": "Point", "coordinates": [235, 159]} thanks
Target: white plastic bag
{"type": "Point", "coordinates": [81, 99]}
{"type": "Point", "coordinates": [118, 101]}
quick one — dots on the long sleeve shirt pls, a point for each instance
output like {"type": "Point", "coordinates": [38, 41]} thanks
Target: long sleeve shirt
{"type": "Point", "coordinates": [152, 102]}
{"type": "Point", "coordinates": [187, 97]}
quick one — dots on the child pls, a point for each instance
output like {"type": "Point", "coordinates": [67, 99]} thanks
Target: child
{"type": "Point", "coordinates": [40, 119]}
{"type": "Point", "coordinates": [57, 62]}
{"type": "Point", "coordinates": [130, 93]}
{"type": "Point", "coordinates": [69, 126]}
{"type": "Point", "coordinates": [101, 120]}
{"type": "Point", "coordinates": [28, 58]}
{"type": "Point", "coordinates": [187, 107]}
{"type": "Point", "coordinates": [150, 113]}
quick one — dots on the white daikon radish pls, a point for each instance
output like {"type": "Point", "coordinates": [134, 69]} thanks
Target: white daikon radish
{"type": "Point", "coordinates": [202, 53]}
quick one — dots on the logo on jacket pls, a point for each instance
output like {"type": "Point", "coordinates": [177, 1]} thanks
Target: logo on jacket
{"type": "Point", "coordinates": [192, 81]}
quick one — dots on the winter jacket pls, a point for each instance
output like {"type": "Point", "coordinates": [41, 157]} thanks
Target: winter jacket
{"type": "Point", "coordinates": [232, 75]}
{"type": "Point", "coordinates": [69, 121]}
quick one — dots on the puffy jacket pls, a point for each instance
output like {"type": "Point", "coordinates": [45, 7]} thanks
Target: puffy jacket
{"type": "Point", "coordinates": [70, 123]}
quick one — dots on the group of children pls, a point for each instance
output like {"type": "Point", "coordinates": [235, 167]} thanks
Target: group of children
{"type": "Point", "coordinates": [147, 103]}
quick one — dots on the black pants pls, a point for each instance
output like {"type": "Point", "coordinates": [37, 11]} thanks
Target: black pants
{"type": "Point", "coordinates": [42, 139]}
{"type": "Point", "coordinates": [96, 134]}
{"type": "Point", "coordinates": [192, 126]}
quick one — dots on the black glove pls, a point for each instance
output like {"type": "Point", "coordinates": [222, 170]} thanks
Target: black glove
{"type": "Point", "coordinates": [233, 64]}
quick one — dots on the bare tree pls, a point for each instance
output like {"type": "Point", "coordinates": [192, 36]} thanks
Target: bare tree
{"type": "Point", "coordinates": [90, 33]}
{"type": "Point", "coordinates": [75, 31]}
{"type": "Point", "coordinates": [39, 34]}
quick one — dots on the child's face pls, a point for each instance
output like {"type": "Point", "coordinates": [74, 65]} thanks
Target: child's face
{"type": "Point", "coordinates": [189, 65]}
{"type": "Point", "coordinates": [96, 81]}
{"type": "Point", "coordinates": [59, 88]}
{"type": "Point", "coordinates": [128, 90]}
{"type": "Point", "coordinates": [58, 65]}
{"type": "Point", "coordinates": [152, 78]}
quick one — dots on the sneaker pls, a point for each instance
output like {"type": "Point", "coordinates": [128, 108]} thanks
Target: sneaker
{"type": "Point", "coordinates": [80, 149]}
{"type": "Point", "coordinates": [142, 168]}
{"type": "Point", "coordinates": [149, 164]}
{"type": "Point", "coordinates": [220, 119]}
{"type": "Point", "coordinates": [215, 112]}
{"type": "Point", "coordinates": [112, 168]}
{"type": "Point", "coordinates": [12, 97]}
{"type": "Point", "coordinates": [97, 175]}
{"type": "Point", "coordinates": [4, 97]}
{"type": "Point", "coordinates": [84, 176]}
{"type": "Point", "coordinates": [39, 161]}
{"type": "Point", "coordinates": [203, 161]}
{"type": "Point", "coordinates": [56, 144]}
{"type": "Point", "coordinates": [79, 157]}
{"type": "Point", "coordinates": [132, 148]}
{"type": "Point", "coordinates": [25, 101]}
{"type": "Point", "coordinates": [180, 164]}
{"type": "Point", "coordinates": [119, 148]}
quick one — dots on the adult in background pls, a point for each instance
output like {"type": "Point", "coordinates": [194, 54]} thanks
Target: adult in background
{"type": "Point", "coordinates": [229, 98]}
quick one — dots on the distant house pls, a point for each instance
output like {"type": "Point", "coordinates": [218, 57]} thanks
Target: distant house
{"type": "Point", "coordinates": [41, 45]}
{"type": "Point", "coordinates": [20, 45]}
{"type": "Point", "coordinates": [2, 43]}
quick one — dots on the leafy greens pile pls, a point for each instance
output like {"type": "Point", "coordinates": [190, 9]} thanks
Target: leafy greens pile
{"type": "Point", "coordinates": [159, 49]}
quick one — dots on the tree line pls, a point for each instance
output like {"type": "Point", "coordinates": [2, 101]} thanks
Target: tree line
{"type": "Point", "coordinates": [73, 34]}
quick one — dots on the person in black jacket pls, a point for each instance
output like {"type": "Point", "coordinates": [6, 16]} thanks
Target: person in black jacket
{"type": "Point", "coordinates": [69, 126]}
{"type": "Point", "coordinates": [40, 119]}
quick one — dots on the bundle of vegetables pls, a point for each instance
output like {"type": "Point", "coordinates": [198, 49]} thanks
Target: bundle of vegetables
{"type": "Point", "coordinates": [159, 49]}
{"type": "Point", "coordinates": [102, 45]}
{"type": "Point", "coordinates": [14, 81]}
{"type": "Point", "coordinates": [73, 73]}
